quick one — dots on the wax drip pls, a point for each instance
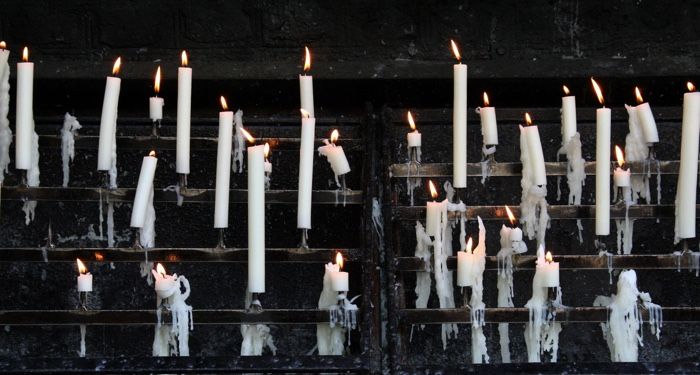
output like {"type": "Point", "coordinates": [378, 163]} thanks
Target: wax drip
{"type": "Point", "coordinates": [239, 144]}
{"type": "Point", "coordinates": [487, 162]}
{"type": "Point", "coordinates": [423, 279]}
{"type": "Point", "coordinates": [110, 222]}
{"type": "Point", "coordinates": [329, 340]}
{"type": "Point", "coordinates": [68, 133]}
{"type": "Point", "coordinates": [173, 340]}
{"type": "Point", "coordinates": [256, 337]}
{"type": "Point", "coordinates": [29, 206]}
{"type": "Point", "coordinates": [5, 132]}
{"type": "Point", "coordinates": [506, 293]}
{"type": "Point", "coordinates": [412, 182]}
{"type": "Point", "coordinates": [575, 175]}
{"type": "Point", "coordinates": [478, 308]}
{"type": "Point", "coordinates": [637, 150]}
{"type": "Point", "coordinates": [176, 188]}
{"type": "Point", "coordinates": [625, 231]}
{"type": "Point", "coordinates": [533, 203]}
{"type": "Point", "coordinates": [695, 262]}
{"type": "Point", "coordinates": [113, 165]}
{"type": "Point", "coordinates": [81, 352]}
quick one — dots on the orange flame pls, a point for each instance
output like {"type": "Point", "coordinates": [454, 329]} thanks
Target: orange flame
{"type": "Point", "coordinates": [305, 113]}
{"type": "Point", "coordinates": [334, 136]}
{"type": "Point", "coordinates": [266, 150]}
{"type": "Point", "coordinates": [486, 99]}
{"type": "Point", "coordinates": [339, 260]}
{"type": "Point", "coordinates": [598, 91]}
{"type": "Point", "coordinates": [152, 153]}
{"type": "Point", "coordinates": [620, 156]}
{"type": "Point", "coordinates": [183, 58]}
{"type": "Point", "coordinates": [99, 257]}
{"type": "Point", "coordinates": [25, 54]}
{"type": "Point", "coordinates": [117, 66]}
{"type": "Point", "coordinates": [566, 90]}
{"type": "Point", "coordinates": [247, 136]}
{"type": "Point", "coordinates": [160, 269]}
{"type": "Point", "coordinates": [691, 86]}
{"type": "Point", "coordinates": [638, 94]}
{"type": "Point", "coordinates": [411, 123]}
{"type": "Point", "coordinates": [433, 191]}
{"type": "Point", "coordinates": [224, 105]}
{"type": "Point", "coordinates": [528, 119]}
{"type": "Point", "coordinates": [156, 86]}
{"type": "Point", "coordinates": [81, 267]}
{"type": "Point", "coordinates": [468, 249]}
{"type": "Point", "coordinates": [3, 45]}
{"type": "Point", "coordinates": [548, 257]}
{"type": "Point", "coordinates": [511, 217]}
{"type": "Point", "coordinates": [455, 50]}
{"type": "Point", "coordinates": [307, 60]}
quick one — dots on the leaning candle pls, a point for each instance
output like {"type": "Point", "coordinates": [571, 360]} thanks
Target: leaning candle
{"type": "Point", "coordinates": [156, 103]}
{"type": "Point", "coordinates": [25, 112]}
{"type": "Point", "coordinates": [184, 107]}
{"type": "Point", "coordinates": [414, 137]}
{"type": "Point", "coordinates": [223, 166]}
{"type": "Point", "coordinates": [548, 272]}
{"type": "Point", "coordinates": [688, 172]}
{"type": "Point", "coordinates": [568, 116]}
{"type": "Point", "coordinates": [144, 189]}
{"type": "Point", "coordinates": [306, 85]}
{"type": "Point", "coordinates": [534, 148]}
{"type": "Point", "coordinates": [335, 155]}
{"type": "Point", "coordinates": [256, 217]}
{"type": "Point", "coordinates": [622, 175]}
{"type": "Point", "coordinates": [84, 278]}
{"type": "Point", "coordinates": [432, 212]}
{"type": "Point", "coordinates": [466, 266]}
{"type": "Point", "coordinates": [306, 169]}
{"type": "Point", "coordinates": [108, 122]}
{"type": "Point", "coordinates": [340, 280]}
{"type": "Point", "coordinates": [602, 166]}
{"type": "Point", "coordinates": [489, 128]}
{"type": "Point", "coordinates": [646, 119]}
{"type": "Point", "coordinates": [459, 122]}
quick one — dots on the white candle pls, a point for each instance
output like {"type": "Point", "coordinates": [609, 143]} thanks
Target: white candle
{"type": "Point", "coordinates": [306, 169]}
{"type": "Point", "coordinates": [459, 122]}
{"type": "Point", "coordinates": [568, 116]}
{"type": "Point", "coordinates": [306, 86]}
{"type": "Point", "coordinates": [4, 56]}
{"type": "Point", "coordinates": [548, 272]}
{"type": "Point", "coordinates": [432, 213]}
{"type": "Point", "coordinates": [414, 137]}
{"type": "Point", "coordinates": [646, 119]}
{"type": "Point", "coordinates": [184, 107]}
{"type": "Point", "coordinates": [489, 127]}
{"type": "Point", "coordinates": [688, 171]}
{"type": "Point", "coordinates": [143, 190]}
{"type": "Point", "coordinates": [515, 233]}
{"type": "Point", "coordinates": [340, 280]}
{"type": "Point", "coordinates": [223, 166]}
{"type": "Point", "coordinates": [108, 121]}
{"type": "Point", "coordinates": [84, 278]}
{"type": "Point", "coordinates": [156, 103]}
{"type": "Point", "coordinates": [25, 112]}
{"type": "Point", "coordinates": [268, 165]}
{"type": "Point", "coordinates": [466, 261]}
{"type": "Point", "coordinates": [335, 155]}
{"type": "Point", "coordinates": [256, 219]}
{"type": "Point", "coordinates": [622, 176]}
{"type": "Point", "coordinates": [602, 169]}
{"type": "Point", "coordinates": [534, 148]}
{"type": "Point", "coordinates": [164, 282]}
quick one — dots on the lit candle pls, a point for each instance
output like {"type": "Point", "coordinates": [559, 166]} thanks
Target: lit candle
{"type": "Point", "coordinates": [516, 234]}
{"type": "Point", "coordinates": [459, 122]}
{"type": "Point", "coordinates": [688, 171]}
{"type": "Point", "coordinates": [256, 216]}
{"type": "Point", "coordinates": [335, 155]}
{"type": "Point", "coordinates": [548, 271]}
{"type": "Point", "coordinates": [602, 168]}
{"type": "Point", "coordinates": [622, 175]}
{"type": "Point", "coordinates": [106, 151]}
{"type": "Point", "coordinates": [184, 107]}
{"type": "Point", "coordinates": [489, 128]}
{"type": "Point", "coordinates": [4, 56]}
{"type": "Point", "coordinates": [306, 85]}
{"type": "Point", "coordinates": [144, 188]}
{"type": "Point", "coordinates": [223, 166]}
{"type": "Point", "coordinates": [25, 112]}
{"type": "Point", "coordinates": [164, 283]}
{"type": "Point", "coordinates": [466, 265]}
{"type": "Point", "coordinates": [534, 148]}
{"type": "Point", "coordinates": [84, 278]}
{"type": "Point", "coordinates": [156, 103]}
{"type": "Point", "coordinates": [306, 169]}
{"type": "Point", "coordinates": [414, 137]}
{"type": "Point", "coordinates": [646, 119]}
{"type": "Point", "coordinates": [568, 116]}
{"type": "Point", "coordinates": [340, 280]}
{"type": "Point", "coordinates": [432, 212]}
{"type": "Point", "coordinates": [268, 165]}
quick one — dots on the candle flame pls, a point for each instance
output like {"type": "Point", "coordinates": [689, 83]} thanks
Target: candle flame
{"type": "Point", "coordinates": [183, 58]}
{"type": "Point", "coordinates": [598, 91]}
{"type": "Point", "coordinates": [511, 217]}
{"type": "Point", "coordinates": [468, 249]}
{"type": "Point", "coordinates": [307, 60]}
{"type": "Point", "coordinates": [266, 151]}
{"type": "Point", "coordinates": [411, 123]}
{"type": "Point", "coordinates": [455, 50]}
{"type": "Point", "coordinates": [548, 257]}
{"type": "Point", "coordinates": [3, 45]}
{"type": "Point", "coordinates": [691, 86]}
{"type": "Point", "coordinates": [247, 135]}
{"type": "Point", "coordinates": [160, 269]}
{"type": "Point", "coordinates": [486, 99]}
{"type": "Point", "coordinates": [638, 94]}
{"type": "Point", "coordinates": [334, 136]}
{"type": "Point", "coordinates": [224, 105]}
{"type": "Point", "coordinates": [528, 119]}
{"type": "Point", "coordinates": [339, 260]}
{"type": "Point", "coordinates": [25, 54]}
{"type": "Point", "coordinates": [99, 257]}
{"type": "Point", "coordinates": [566, 90]}
{"type": "Point", "coordinates": [152, 153]}
{"type": "Point", "coordinates": [156, 86]}
{"type": "Point", "coordinates": [81, 267]}
{"type": "Point", "coordinates": [305, 113]}
{"type": "Point", "coordinates": [433, 191]}
{"type": "Point", "coordinates": [117, 66]}
{"type": "Point", "coordinates": [620, 156]}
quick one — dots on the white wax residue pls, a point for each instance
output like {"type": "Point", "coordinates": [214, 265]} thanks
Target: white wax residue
{"type": "Point", "coordinates": [329, 340]}
{"type": "Point", "coordinates": [504, 260]}
{"type": "Point", "coordinates": [113, 168]}
{"type": "Point", "coordinates": [176, 189]}
{"type": "Point", "coordinates": [486, 163]}
{"type": "Point", "coordinates": [173, 340]}
{"type": "Point", "coordinates": [636, 150]}
{"type": "Point", "coordinates": [238, 144]}
{"type": "Point", "coordinates": [423, 279]}
{"type": "Point", "coordinates": [81, 353]}
{"type": "Point", "coordinates": [148, 232]}
{"type": "Point", "coordinates": [29, 207]}
{"type": "Point", "coordinates": [479, 354]}
{"type": "Point", "coordinates": [110, 223]}
{"type": "Point", "coordinates": [625, 232]}
{"type": "Point", "coordinates": [68, 132]}
{"type": "Point", "coordinates": [533, 203]}
{"type": "Point", "coordinates": [695, 262]}
{"type": "Point", "coordinates": [412, 182]}
{"type": "Point", "coordinates": [5, 132]}
{"type": "Point", "coordinates": [256, 336]}
{"type": "Point", "coordinates": [575, 175]}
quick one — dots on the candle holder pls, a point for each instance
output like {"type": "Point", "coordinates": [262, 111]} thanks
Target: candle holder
{"type": "Point", "coordinates": [255, 306]}
{"type": "Point", "coordinates": [182, 181]}
{"type": "Point", "coordinates": [137, 240]}
{"type": "Point", "coordinates": [413, 155]}
{"type": "Point", "coordinates": [303, 245]}
{"type": "Point", "coordinates": [344, 313]}
{"type": "Point", "coordinates": [49, 237]}
{"type": "Point", "coordinates": [652, 152]}
{"type": "Point", "coordinates": [465, 298]}
{"type": "Point", "coordinates": [488, 159]}
{"type": "Point", "coordinates": [221, 244]}
{"type": "Point", "coordinates": [155, 127]}
{"type": "Point", "coordinates": [600, 244]}
{"type": "Point", "coordinates": [105, 180]}
{"type": "Point", "coordinates": [83, 299]}
{"type": "Point", "coordinates": [23, 178]}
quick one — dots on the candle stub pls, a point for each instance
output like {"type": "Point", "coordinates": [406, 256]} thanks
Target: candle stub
{"type": "Point", "coordinates": [84, 278]}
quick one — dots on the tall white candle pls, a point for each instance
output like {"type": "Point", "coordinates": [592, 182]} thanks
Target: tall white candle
{"type": "Point", "coordinates": [688, 172]}
{"type": "Point", "coordinates": [602, 169]}
{"type": "Point", "coordinates": [184, 107]}
{"type": "Point", "coordinates": [306, 85]}
{"type": "Point", "coordinates": [489, 127]}
{"type": "Point", "coordinates": [466, 261]}
{"type": "Point", "coordinates": [306, 169]}
{"type": "Point", "coordinates": [256, 219]}
{"type": "Point", "coordinates": [155, 103]}
{"type": "Point", "coordinates": [223, 166]}
{"type": "Point", "coordinates": [568, 116]}
{"type": "Point", "coordinates": [143, 190]}
{"type": "Point", "coordinates": [108, 121]}
{"type": "Point", "coordinates": [25, 112]}
{"type": "Point", "coordinates": [622, 177]}
{"type": "Point", "coordinates": [84, 278]}
{"type": "Point", "coordinates": [459, 122]}
{"type": "Point", "coordinates": [646, 119]}
{"type": "Point", "coordinates": [536, 156]}
{"type": "Point", "coordinates": [340, 280]}
{"type": "Point", "coordinates": [414, 138]}
{"type": "Point", "coordinates": [432, 213]}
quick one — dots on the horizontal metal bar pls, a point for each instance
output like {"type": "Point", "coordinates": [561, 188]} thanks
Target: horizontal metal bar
{"type": "Point", "coordinates": [291, 118]}
{"type": "Point", "coordinates": [555, 368]}
{"type": "Point", "coordinates": [83, 194]}
{"type": "Point", "coordinates": [515, 169]}
{"type": "Point", "coordinates": [521, 315]}
{"type": "Point", "coordinates": [148, 317]}
{"type": "Point", "coordinates": [184, 365]}
{"type": "Point", "coordinates": [60, 254]}
{"type": "Point", "coordinates": [555, 212]}
{"type": "Point", "coordinates": [573, 262]}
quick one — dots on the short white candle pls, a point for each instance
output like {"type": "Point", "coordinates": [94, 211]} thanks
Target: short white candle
{"type": "Point", "coordinates": [548, 272]}
{"type": "Point", "coordinates": [163, 281]}
{"type": "Point", "coordinates": [184, 108]}
{"type": "Point", "coordinates": [108, 121]}
{"type": "Point", "coordinates": [536, 156]}
{"type": "Point", "coordinates": [414, 137]}
{"type": "Point", "coordinates": [646, 119]}
{"type": "Point", "coordinates": [335, 155]}
{"type": "Point", "coordinates": [340, 280]}
{"type": "Point", "coordinates": [459, 122]}
{"type": "Point", "coordinates": [432, 212]}
{"type": "Point", "coordinates": [306, 169]}
{"type": "Point", "coordinates": [515, 233]}
{"type": "Point", "coordinates": [223, 166]}
{"type": "Point", "coordinates": [602, 168]}
{"type": "Point", "coordinates": [268, 165]}
{"type": "Point", "coordinates": [256, 219]}
{"type": "Point", "coordinates": [306, 86]}
{"type": "Point", "coordinates": [466, 261]}
{"type": "Point", "coordinates": [25, 112]}
{"type": "Point", "coordinates": [143, 190]}
{"type": "Point", "coordinates": [84, 278]}
{"type": "Point", "coordinates": [156, 103]}
{"type": "Point", "coordinates": [4, 56]}
{"type": "Point", "coordinates": [489, 127]}
{"type": "Point", "coordinates": [568, 116]}
{"type": "Point", "coordinates": [622, 176]}
{"type": "Point", "coordinates": [688, 172]}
